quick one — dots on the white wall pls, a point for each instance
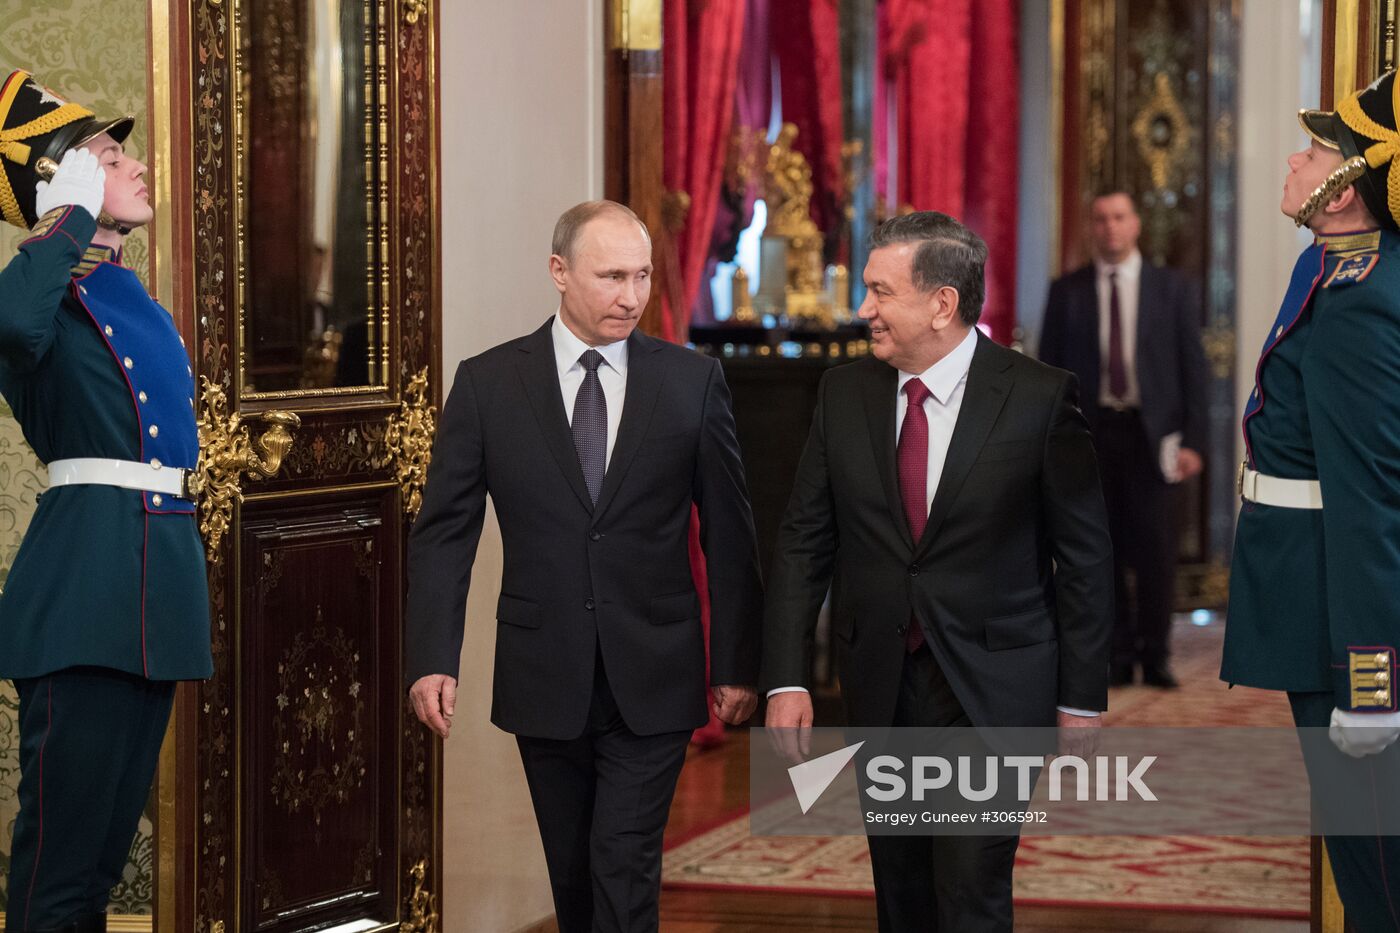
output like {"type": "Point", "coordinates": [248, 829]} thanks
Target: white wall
{"type": "Point", "coordinates": [522, 127]}
{"type": "Point", "coordinates": [1279, 73]}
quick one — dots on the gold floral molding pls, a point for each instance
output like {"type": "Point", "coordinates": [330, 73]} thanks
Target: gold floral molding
{"type": "Point", "coordinates": [413, 11]}
{"type": "Point", "coordinates": [1162, 132]}
{"type": "Point", "coordinates": [226, 452]}
{"type": "Point", "coordinates": [409, 440]}
{"type": "Point", "coordinates": [422, 906]}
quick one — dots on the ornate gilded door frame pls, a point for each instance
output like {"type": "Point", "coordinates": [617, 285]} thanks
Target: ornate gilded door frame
{"type": "Point", "coordinates": [354, 448]}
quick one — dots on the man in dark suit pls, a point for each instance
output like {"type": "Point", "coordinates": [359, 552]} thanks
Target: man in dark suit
{"type": "Point", "coordinates": [1131, 332]}
{"type": "Point", "coordinates": [949, 487]}
{"type": "Point", "coordinates": [593, 442]}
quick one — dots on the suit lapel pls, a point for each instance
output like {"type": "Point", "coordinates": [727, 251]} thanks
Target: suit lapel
{"type": "Point", "coordinates": [880, 393]}
{"type": "Point", "coordinates": [988, 384]}
{"type": "Point", "coordinates": [540, 375]}
{"type": "Point", "coordinates": [645, 374]}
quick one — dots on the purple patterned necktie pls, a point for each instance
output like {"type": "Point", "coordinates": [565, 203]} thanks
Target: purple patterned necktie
{"type": "Point", "coordinates": [1117, 370]}
{"type": "Point", "coordinates": [913, 479]}
{"type": "Point", "coordinates": [590, 425]}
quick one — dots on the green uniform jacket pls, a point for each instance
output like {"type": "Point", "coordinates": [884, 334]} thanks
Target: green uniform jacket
{"type": "Point", "coordinates": [1313, 593]}
{"type": "Point", "coordinates": [93, 367]}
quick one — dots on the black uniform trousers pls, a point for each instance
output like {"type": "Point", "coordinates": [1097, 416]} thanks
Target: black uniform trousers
{"type": "Point", "coordinates": [601, 801]}
{"type": "Point", "coordinates": [1366, 868]}
{"type": "Point", "coordinates": [1142, 524]}
{"type": "Point", "coordinates": [89, 743]}
{"type": "Point", "coordinates": [939, 884]}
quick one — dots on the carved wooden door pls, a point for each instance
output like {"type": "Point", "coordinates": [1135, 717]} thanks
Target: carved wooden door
{"type": "Point", "coordinates": [300, 792]}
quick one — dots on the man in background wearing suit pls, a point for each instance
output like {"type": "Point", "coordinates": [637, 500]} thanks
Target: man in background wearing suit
{"type": "Point", "coordinates": [1131, 332]}
{"type": "Point", "coordinates": [948, 495]}
{"type": "Point", "coordinates": [593, 442]}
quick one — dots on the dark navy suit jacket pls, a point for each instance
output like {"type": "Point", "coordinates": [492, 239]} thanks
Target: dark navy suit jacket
{"type": "Point", "coordinates": [1168, 356]}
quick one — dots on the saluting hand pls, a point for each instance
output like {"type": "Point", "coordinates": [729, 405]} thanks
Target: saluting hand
{"type": "Point", "coordinates": [80, 180]}
{"type": "Point", "coordinates": [434, 700]}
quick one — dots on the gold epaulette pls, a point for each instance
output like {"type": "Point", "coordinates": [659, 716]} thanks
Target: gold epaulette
{"type": "Point", "coordinates": [1371, 675]}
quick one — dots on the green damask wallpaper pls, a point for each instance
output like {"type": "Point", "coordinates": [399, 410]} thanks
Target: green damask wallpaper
{"type": "Point", "coordinates": [93, 52]}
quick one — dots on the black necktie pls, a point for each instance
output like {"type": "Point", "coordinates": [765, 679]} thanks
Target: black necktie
{"type": "Point", "coordinates": [590, 425]}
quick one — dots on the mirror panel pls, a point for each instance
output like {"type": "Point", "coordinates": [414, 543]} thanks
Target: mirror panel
{"type": "Point", "coordinates": [311, 197]}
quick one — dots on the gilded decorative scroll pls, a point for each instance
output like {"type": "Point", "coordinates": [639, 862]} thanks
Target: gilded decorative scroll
{"type": "Point", "coordinates": [410, 442]}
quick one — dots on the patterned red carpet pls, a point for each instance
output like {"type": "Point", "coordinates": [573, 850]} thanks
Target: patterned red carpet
{"type": "Point", "coordinates": [1260, 876]}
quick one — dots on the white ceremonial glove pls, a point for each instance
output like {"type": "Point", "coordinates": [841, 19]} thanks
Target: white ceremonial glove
{"type": "Point", "coordinates": [1362, 734]}
{"type": "Point", "coordinates": [80, 181]}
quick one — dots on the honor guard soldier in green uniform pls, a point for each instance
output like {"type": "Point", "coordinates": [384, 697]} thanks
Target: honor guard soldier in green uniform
{"type": "Point", "coordinates": [106, 606]}
{"type": "Point", "coordinates": [1316, 573]}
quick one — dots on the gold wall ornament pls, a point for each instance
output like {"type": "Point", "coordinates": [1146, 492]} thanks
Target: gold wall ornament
{"type": "Point", "coordinates": [413, 11]}
{"type": "Point", "coordinates": [636, 25]}
{"type": "Point", "coordinates": [226, 452]}
{"type": "Point", "coordinates": [422, 906]}
{"type": "Point", "coordinates": [1162, 132]}
{"type": "Point", "coordinates": [409, 440]}
{"type": "Point", "coordinates": [1219, 343]}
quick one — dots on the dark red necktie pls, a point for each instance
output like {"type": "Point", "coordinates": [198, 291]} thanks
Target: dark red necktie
{"type": "Point", "coordinates": [1117, 371]}
{"type": "Point", "coordinates": [913, 479]}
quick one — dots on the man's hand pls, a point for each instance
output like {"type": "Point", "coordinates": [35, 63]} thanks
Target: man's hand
{"type": "Point", "coordinates": [434, 699]}
{"type": "Point", "coordinates": [80, 180]}
{"type": "Point", "coordinates": [734, 704]}
{"type": "Point", "coordinates": [789, 724]}
{"type": "Point", "coordinates": [1362, 734]}
{"type": "Point", "coordinates": [1188, 463]}
{"type": "Point", "coordinates": [1079, 735]}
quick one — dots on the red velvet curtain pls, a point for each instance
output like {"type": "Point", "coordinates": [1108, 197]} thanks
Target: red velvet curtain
{"type": "Point", "coordinates": [951, 71]}
{"type": "Point", "coordinates": [701, 55]}
{"type": "Point", "coordinates": [806, 41]}
{"type": "Point", "coordinates": [701, 68]}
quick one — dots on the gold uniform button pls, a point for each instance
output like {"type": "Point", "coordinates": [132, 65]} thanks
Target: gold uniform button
{"type": "Point", "coordinates": [1382, 677]}
{"type": "Point", "coordinates": [107, 330]}
{"type": "Point", "coordinates": [1383, 659]}
{"type": "Point", "coordinates": [1383, 696]}
{"type": "Point", "coordinates": [141, 396]}
{"type": "Point", "coordinates": [155, 463]}
{"type": "Point", "coordinates": [156, 500]}
{"type": "Point", "coordinates": [1278, 333]}
{"type": "Point", "coordinates": [126, 361]}
{"type": "Point", "coordinates": [154, 431]}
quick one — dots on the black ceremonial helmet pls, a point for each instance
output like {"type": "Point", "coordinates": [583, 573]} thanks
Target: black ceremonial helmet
{"type": "Point", "coordinates": [36, 128]}
{"type": "Point", "coordinates": [1364, 129]}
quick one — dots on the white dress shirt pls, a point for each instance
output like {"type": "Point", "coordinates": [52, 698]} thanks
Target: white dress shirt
{"type": "Point", "coordinates": [946, 381]}
{"type": "Point", "coordinates": [612, 375]}
{"type": "Point", "coordinates": [1129, 287]}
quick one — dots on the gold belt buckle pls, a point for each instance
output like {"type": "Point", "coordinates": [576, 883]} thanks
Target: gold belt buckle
{"type": "Point", "coordinates": [191, 484]}
{"type": "Point", "coordinates": [1239, 479]}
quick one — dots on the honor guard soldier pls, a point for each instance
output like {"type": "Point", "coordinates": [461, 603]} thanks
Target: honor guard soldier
{"type": "Point", "coordinates": [106, 606]}
{"type": "Point", "coordinates": [1316, 570]}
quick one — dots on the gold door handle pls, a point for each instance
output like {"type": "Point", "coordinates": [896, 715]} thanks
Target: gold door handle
{"type": "Point", "coordinates": [226, 452]}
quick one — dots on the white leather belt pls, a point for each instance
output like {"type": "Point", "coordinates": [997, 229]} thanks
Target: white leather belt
{"type": "Point", "coordinates": [1284, 493]}
{"type": "Point", "coordinates": [128, 474]}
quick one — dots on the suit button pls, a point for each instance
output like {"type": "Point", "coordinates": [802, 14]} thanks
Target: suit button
{"type": "Point", "coordinates": [913, 570]}
{"type": "Point", "coordinates": [594, 536]}
{"type": "Point", "coordinates": [588, 604]}
{"type": "Point", "coordinates": [901, 628]}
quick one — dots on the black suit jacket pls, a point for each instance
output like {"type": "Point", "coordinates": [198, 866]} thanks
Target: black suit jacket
{"type": "Point", "coordinates": [1170, 361]}
{"type": "Point", "coordinates": [581, 581]}
{"type": "Point", "coordinates": [1012, 579]}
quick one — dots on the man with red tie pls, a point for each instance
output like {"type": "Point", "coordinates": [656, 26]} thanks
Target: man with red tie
{"type": "Point", "coordinates": [948, 495]}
